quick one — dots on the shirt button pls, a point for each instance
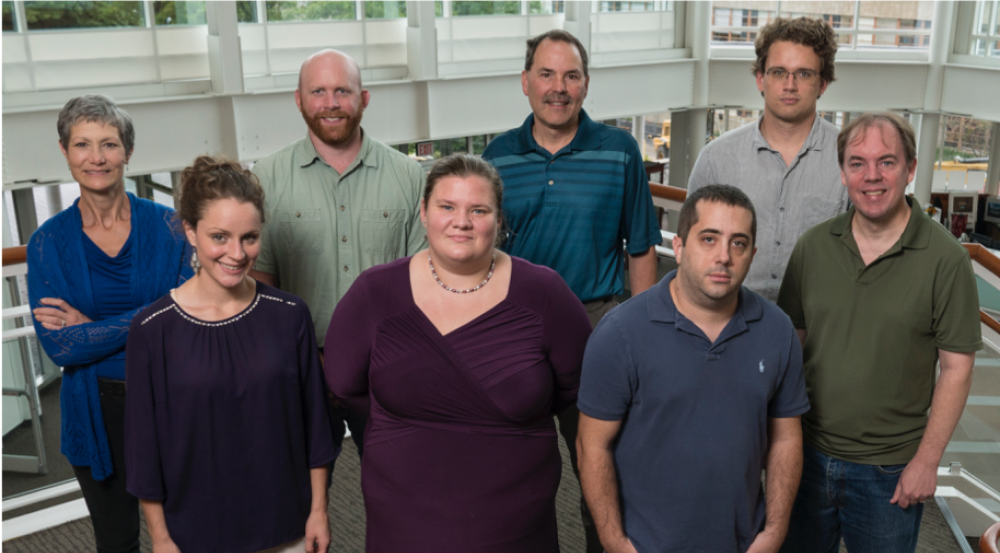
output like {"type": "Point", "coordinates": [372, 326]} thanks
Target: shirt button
{"type": "Point", "coordinates": [297, 214]}
{"type": "Point", "coordinates": [344, 239]}
{"type": "Point", "coordinates": [551, 182]}
{"type": "Point", "coordinates": [385, 214]}
{"type": "Point", "coordinates": [777, 242]}
{"type": "Point", "coordinates": [772, 276]}
{"type": "Point", "coordinates": [345, 268]}
{"type": "Point", "coordinates": [781, 209]}
{"type": "Point", "coordinates": [341, 208]}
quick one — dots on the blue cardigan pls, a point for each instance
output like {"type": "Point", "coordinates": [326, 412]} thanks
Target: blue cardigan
{"type": "Point", "coordinates": [57, 268]}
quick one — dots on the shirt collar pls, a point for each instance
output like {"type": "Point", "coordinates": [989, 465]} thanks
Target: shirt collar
{"type": "Point", "coordinates": [306, 152]}
{"type": "Point", "coordinates": [812, 142]}
{"type": "Point", "coordinates": [587, 135]}
{"type": "Point", "coordinates": [916, 236]}
{"type": "Point", "coordinates": [661, 307]}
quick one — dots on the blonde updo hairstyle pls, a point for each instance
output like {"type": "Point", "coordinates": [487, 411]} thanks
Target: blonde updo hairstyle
{"type": "Point", "coordinates": [215, 178]}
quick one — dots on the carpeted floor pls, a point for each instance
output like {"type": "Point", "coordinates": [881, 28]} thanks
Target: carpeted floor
{"type": "Point", "coordinates": [348, 519]}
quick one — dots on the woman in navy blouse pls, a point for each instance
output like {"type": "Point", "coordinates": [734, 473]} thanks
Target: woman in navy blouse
{"type": "Point", "coordinates": [91, 268]}
{"type": "Point", "coordinates": [227, 436]}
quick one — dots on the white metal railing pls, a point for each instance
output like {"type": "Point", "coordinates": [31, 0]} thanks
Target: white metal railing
{"type": "Point", "coordinates": [33, 464]}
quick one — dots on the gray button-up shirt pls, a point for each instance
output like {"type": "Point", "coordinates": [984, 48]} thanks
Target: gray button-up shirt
{"type": "Point", "coordinates": [789, 199]}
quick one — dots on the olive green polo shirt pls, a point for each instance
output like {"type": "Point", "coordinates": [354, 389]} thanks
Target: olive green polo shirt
{"type": "Point", "coordinates": [323, 228]}
{"type": "Point", "coordinates": [873, 332]}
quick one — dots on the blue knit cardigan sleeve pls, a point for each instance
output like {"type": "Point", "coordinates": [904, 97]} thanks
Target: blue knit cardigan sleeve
{"type": "Point", "coordinates": [57, 268]}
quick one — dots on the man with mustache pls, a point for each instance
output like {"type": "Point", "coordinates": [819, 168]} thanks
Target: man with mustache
{"type": "Point", "coordinates": [338, 202]}
{"type": "Point", "coordinates": [688, 392]}
{"type": "Point", "coordinates": [574, 190]}
{"type": "Point", "coordinates": [786, 162]}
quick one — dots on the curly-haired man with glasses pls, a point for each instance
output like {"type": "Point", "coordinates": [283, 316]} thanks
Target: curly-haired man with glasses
{"type": "Point", "coordinates": [786, 162]}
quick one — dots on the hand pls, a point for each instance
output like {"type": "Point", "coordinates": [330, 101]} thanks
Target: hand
{"type": "Point", "coordinates": [916, 485]}
{"type": "Point", "coordinates": [767, 541]}
{"type": "Point", "coordinates": [60, 316]}
{"type": "Point", "coordinates": [166, 545]}
{"type": "Point", "coordinates": [317, 532]}
{"type": "Point", "coordinates": [622, 546]}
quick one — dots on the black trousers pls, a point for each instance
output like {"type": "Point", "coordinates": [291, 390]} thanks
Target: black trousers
{"type": "Point", "coordinates": [113, 511]}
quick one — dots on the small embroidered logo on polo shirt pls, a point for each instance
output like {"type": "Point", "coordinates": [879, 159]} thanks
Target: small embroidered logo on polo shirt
{"type": "Point", "coordinates": [761, 365]}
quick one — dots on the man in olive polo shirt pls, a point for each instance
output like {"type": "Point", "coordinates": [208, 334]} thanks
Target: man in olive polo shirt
{"type": "Point", "coordinates": [338, 201]}
{"type": "Point", "coordinates": [878, 295]}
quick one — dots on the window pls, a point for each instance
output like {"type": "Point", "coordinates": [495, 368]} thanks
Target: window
{"type": "Point", "coordinates": [385, 10]}
{"type": "Point", "coordinates": [310, 11]}
{"type": "Point", "coordinates": [738, 21]}
{"type": "Point", "coordinates": [858, 24]}
{"type": "Point", "coordinates": [626, 6]}
{"type": "Point", "coordinates": [460, 8]}
{"type": "Point", "coordinates": [246, 11]}
{"type": "Point", "coordinates": [546, 7]}
{"type": "Point", "coordinates": [179, 13]}
{"type": "Point", "coordinates": [79, 15]}
{"type": "Point", "coordinates": [8, 16]}
{"type": "Point", "coordinates": [985, 32]}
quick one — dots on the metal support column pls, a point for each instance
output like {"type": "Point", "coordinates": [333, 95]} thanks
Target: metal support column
{"type": "Point", "coordinates": [927, 141]}
{"type": "Point", "coordinates": [993, 170]}
{"type": "Point", "coordinates": [421, 40]}
{"type": "Point", "coordinates": [577, 22]}
{"type": "Point", "coordinates": [698, 35]}
{"type": "Point", "coordinates": [24, 212]}
{"type": "Point", "coordinates": [639, 132]}
{"type": "Point", "coordinates": [225, 58]}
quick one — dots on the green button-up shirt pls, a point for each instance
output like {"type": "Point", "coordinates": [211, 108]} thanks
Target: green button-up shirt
{"type": "Point", "coordinates": [323, 228]}
{"type": "Point", "coordinates": [873, 333]}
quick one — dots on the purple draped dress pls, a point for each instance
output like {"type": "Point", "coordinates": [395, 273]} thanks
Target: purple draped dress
{"type": "Point", "coordinates": [461, 452]}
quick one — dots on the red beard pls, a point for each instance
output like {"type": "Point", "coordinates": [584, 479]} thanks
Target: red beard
{"type": "Point", "coordinates": [337, 136]}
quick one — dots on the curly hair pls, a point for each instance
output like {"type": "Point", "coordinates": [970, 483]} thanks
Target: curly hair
{"type": "Point", "coordinates": [814, 33]}
{"type": "Point", "coordinates": [214, 178]}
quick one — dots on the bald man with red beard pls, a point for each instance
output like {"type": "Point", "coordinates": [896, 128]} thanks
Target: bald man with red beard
{"type": "Point", "coordinates": [338, 202]}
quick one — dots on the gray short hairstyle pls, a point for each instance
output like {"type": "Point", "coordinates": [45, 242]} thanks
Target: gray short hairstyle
{"type": "Point", "coordinates": [98, 108]}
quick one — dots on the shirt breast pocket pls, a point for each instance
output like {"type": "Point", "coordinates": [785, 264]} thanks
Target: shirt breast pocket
{"type": "Point", "coordinates": [301, 230]}
{"type": "Point", "coordinates": [382, 231]}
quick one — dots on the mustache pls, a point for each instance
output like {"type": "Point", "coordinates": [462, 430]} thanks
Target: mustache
{"type": "Point", "coordinates": [565, 98]}
{"type": "Point", "coordinates": [337, 113]}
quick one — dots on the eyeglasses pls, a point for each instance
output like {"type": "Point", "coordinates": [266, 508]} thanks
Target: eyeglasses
{"type": "Point", "coordinates": [804, 76]}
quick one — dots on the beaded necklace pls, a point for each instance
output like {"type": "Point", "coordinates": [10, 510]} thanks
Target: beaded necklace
{"type": "Point", "coordinates": [493, 265]}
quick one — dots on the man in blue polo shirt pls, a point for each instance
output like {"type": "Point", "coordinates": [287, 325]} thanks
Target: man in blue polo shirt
{"type": "Point", "coordinates": [574, 191]}
{"type": "Point", "coordinates": [688, 392]}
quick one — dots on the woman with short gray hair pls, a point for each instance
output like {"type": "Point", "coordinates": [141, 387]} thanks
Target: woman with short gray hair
{"type": "Point", "coordinates": [91, 268]}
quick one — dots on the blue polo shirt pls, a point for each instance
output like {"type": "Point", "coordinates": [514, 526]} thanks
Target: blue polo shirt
{"type": "Point", "coordinates": [571, 211]}
{"type": "Point", "coordinates": [694, 416]}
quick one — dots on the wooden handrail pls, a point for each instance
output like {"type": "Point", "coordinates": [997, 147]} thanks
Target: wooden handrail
{"type": "Point", "coordinates": [991, 263]}
{"type": "Point", "coordinates": [989, 321]}
{"type": "Point", "coordinates": [981, 255]}
{"type": "Point", "coordinates": [668, 192]}
{"type": "Point", "coordinates": [15, 255]}
{"type": "Point", "coordinates": [988, 543]}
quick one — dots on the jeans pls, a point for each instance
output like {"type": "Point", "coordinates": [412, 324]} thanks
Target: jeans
{"type": "Point", "coordinates": [113, 511]}
{"type": "Point", "coordinates": [842, 499]}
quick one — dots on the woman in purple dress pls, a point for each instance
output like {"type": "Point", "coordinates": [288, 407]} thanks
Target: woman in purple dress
{"type": "Point", "coordinates": [227, 433]}
{"type": "Point", "coordinates": [463, 354]}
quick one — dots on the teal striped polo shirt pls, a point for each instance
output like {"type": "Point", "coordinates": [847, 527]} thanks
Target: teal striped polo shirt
{"type": "Point", "coordinates": [572, 210]}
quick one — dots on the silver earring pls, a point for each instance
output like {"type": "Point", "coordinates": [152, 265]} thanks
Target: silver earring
{"type": "Point", "coordinates": [195, 264]}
